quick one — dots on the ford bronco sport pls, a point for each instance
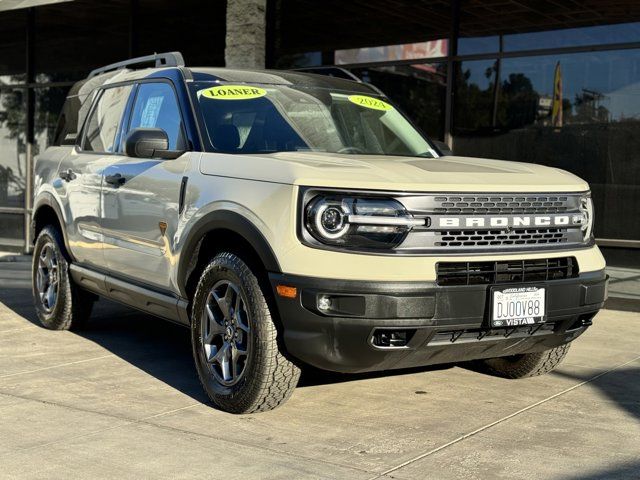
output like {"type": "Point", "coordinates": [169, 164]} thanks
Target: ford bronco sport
{"type": "Point", "coordinates": [291, 219]}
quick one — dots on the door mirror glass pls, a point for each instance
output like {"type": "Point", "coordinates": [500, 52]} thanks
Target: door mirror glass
{"type": "Point", "coordinates": [149, 143]}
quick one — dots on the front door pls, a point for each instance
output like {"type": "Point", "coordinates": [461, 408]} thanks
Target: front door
{"type": "Point", "coordinates": [140, 215]}
{"type": "Point", "coordinates": [81, 174]}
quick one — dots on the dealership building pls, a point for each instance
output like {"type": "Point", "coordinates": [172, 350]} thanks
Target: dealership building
{"type": "Point", "coordinates": [555, 82]}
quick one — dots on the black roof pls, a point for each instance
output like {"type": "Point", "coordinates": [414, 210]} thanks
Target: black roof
{"type": "Point", "coordinates": [279, 77]}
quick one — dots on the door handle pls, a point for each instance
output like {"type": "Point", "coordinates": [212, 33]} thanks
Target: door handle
{"type": "Point", "coordinates": [116, 179]}
{"type": "Point", "coordinates": [68, 175]}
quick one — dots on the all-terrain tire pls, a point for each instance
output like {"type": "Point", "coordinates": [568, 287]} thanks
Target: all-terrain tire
{"type": "Point", "coordinates": [525, 365]}
{"type": "Point", "coordinates": [269, 377]}
{"type": "Point", "coordinates": [72, 307]}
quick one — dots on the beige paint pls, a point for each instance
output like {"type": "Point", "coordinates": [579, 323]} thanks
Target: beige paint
{"type": "Point", "coordinates": [264, 188]}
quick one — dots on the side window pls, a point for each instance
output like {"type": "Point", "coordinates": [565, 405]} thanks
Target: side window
{"type": "Point", "coordinates": [156, 106]}
{"type": "Point", "coordinates": [102, 127]}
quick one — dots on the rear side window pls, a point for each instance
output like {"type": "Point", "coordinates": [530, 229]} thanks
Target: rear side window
{"type": "Point", "coordinates": [70, 120]}
{"type": "Point", "coordinates": [102, 127]}
{"type": "Point", "coordinates": [156, 106]}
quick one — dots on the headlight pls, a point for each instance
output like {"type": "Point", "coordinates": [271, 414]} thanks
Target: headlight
{"type": "Point", "coordinates": [358, 222]}
{"type": "Point", "coordinates": [586, 211]}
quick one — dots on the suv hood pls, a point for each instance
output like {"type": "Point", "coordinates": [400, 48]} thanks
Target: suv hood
{"type": "Point", "coordinates": [384, 172]}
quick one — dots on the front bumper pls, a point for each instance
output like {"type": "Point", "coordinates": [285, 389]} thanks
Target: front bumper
{"type": "Point", "coordinates": [441, 324]}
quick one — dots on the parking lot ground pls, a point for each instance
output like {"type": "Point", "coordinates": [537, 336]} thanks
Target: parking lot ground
{"type": "Point", "coordinates": [121, 400]}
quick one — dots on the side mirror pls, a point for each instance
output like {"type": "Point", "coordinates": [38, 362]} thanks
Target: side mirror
{"type": "Point", "coordinates": [443, 147]}
{"type": "Point", "coordinates": [149, 143]}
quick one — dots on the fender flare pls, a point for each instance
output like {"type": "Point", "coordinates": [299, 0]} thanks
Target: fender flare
{"type": "Point", "coordinates": [225, 220]}
{"type": "Point", "coordinates": [47, 199]}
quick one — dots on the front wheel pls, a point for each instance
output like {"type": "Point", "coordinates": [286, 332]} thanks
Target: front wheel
{"type": "Point", "coordinates": [59, 303]}
{"type": "Point", "coordinates": [524, 365]}
{"type": "Point", "coordinates": [235, 341]}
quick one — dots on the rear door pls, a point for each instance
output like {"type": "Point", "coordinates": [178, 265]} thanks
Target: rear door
{"type": "Point", "coordinates": [81, 173]}
{"type": "Point", "coordinates": [141, 212]}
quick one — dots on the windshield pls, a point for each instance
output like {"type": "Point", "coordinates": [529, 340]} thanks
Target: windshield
{"type": "Point", "coordinates": [278, 118]}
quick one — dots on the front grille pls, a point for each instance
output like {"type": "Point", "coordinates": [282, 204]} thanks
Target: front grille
{"type": "Point", "coordinates": [501, 204]}
{"type": "Point", "coordinates": [467, 222]}
{"type": "Point", "coordinates": [508, 271]}
{"type": "Point", "coordinates": [491, 238]}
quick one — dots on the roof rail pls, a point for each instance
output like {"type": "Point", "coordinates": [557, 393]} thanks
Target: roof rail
{"type": "Point", "coordinates": [330, 72]}
{"type": "Point", "coordinates": [168, 59]}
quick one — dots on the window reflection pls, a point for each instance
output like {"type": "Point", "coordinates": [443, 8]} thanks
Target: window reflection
{"type": "Point", "coordinates": [49, 102]}
{"type": "Point", "coordinates": [11, 230]}
{"type": "Point", "coordinates": [573, 37]}
{"type": "Point", "coordinates": [12, 147]}
{"type": "Point", "coordinates": [475, 45]}
{"type": "Point", "coordinates": [418, 89]}
{"type": "Point", "coordinates": [593, 132]}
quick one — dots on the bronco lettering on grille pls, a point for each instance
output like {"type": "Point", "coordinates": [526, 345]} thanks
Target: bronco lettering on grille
{"type": "Point", "coordinates": [506, 221]}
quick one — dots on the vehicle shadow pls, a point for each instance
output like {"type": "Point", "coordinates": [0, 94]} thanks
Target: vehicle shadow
{"type": "Point", "coordinates": [161, 349]}
{"type": "Point", "coordinates": [621, 387]}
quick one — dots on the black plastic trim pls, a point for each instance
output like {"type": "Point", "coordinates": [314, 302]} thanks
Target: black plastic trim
{"type": "Point", "coordinates": [224, 220]}
{"type": "Point", "coordinates": [183, 191]}
{"type": "Point", "coordinates": [47, 199]}
{"type": "Point", "coordinates": [160, 304]}
{"type": "Point", "coordinates": [341, 340]}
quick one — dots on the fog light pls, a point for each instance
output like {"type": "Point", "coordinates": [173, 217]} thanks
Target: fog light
{"type": "Point", "coordinates": [324, 303]}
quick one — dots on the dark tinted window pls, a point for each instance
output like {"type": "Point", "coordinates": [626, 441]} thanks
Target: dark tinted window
{"type": "Point", "coordinates": [572, 37]}
{"type": "Point", "coordinates": [579, 112]}
{"type": "Point", "coordinates": [156, 106]}
{"type": "Point", "coordinates": [101, 130]}
{"type": "Point", "coordinates": [13, 52]}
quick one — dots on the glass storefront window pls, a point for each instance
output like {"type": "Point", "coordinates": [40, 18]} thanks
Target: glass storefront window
{"type": "Point", "coordinates": [418, 90]}
{"type": "Point", "coordinates": [48, 104]}
{"type": "Point", "coordinates": [579, 112]}
{"type": "Point", "coordinates": [476, 45]}
{"type": "Point", "coordinates": [97, 35]}
{"type": "Point", "coordinates": [12, 230]}
{"type": "Point", "coordinates": [410, 51]}
{"type": "Point", "coordinates": [13, 63]}
{"type": "Point", "coordinates": [12, 147]}
{"type": "Point", "coordinates": [195, 28]}
{"type": "Point", "coordinates": [573, 37]}
{"type": "Point", "coordinates": [475, 95]}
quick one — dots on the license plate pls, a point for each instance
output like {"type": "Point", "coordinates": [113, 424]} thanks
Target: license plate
{"type": "Point", "coordinates": [515, 306]}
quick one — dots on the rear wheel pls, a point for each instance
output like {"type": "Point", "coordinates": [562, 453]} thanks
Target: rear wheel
{"type": "Point", "coordinates": [60, 304]}
{"type": "Point", "coordinates": [235, 341]}
{"type": "Point", "coordinates": [525, 365]}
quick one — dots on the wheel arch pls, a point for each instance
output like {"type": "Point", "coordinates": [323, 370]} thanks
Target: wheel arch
{"type": "Point", "coordinates": [215, 231]}
{"type": "Point", "coordinates": [47, 211]}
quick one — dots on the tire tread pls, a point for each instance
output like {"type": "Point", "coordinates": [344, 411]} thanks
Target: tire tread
{"type": "Point", "coordinates": [528, 365]}
{"type": "Point", "coordinates": [275, 376]}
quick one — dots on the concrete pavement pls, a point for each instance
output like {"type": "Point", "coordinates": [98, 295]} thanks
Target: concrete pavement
{"type": "Point", "coordinates": [121, 400]}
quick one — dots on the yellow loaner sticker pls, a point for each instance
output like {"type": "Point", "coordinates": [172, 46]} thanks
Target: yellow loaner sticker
{"type": "Point", "coordinates": [233, 92]}
{"type": "Point", "coordinates": [369, 102]}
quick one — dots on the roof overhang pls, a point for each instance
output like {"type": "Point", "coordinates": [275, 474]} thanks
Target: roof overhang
{"type": "Point", "coordinates": [16, 4]}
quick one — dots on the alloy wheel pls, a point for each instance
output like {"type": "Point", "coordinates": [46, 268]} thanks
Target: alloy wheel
{"type": "Point", "coordinates": [48, 277]}
{"type": "Point", "coordinates": [225, 332]}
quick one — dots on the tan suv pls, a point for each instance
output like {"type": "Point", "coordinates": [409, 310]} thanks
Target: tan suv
{"type": "Point", "coordinates": [293, 219]}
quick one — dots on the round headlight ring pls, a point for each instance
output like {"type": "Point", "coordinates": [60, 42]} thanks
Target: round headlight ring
{"type": "Point", "coordinates": [331, 221]}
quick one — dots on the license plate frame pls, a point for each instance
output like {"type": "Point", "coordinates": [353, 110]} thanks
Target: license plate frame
{"type": "Point", "coordinates": [525, 293]}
